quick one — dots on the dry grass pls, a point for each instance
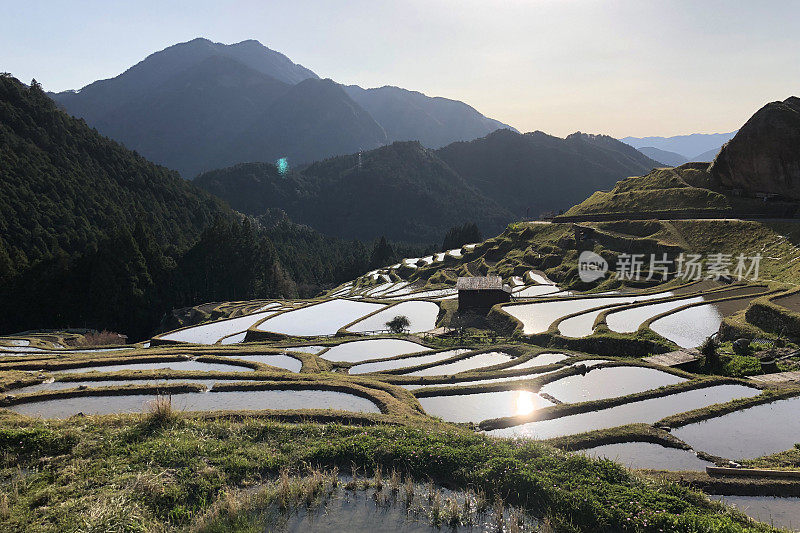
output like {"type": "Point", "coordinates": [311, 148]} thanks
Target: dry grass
{"type": "Point", "coordinates": [160, 412]}
{"type": "Point", "coordinates": [101, 338]}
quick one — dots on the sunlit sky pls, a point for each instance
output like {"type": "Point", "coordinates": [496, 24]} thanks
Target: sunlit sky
{"type": "Point", "coordinates": [636, 67]}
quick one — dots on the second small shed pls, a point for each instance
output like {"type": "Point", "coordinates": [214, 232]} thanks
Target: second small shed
{"type": "Point", "coordinates": [481, 292]}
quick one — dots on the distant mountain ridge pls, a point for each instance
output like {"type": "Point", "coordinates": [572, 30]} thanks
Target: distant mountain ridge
{"type": "Point", "coordinates": [670, 159]}
{"type": "Point", "coordinates": [694, 147]}
{"type": "Point", "coordinates": [534, 173]}
{"type": "Point", "coordinates": [201, 105]}
{"type": "Point", "coordinates": [411, 193]}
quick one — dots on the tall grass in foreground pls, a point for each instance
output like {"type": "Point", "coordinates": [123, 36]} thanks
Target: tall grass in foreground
{"type": "Point", "coordinates": [160, 412]}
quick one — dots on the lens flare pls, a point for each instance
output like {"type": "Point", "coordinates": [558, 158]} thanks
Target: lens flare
{"type": "Point", "coordinates": [283, 165]}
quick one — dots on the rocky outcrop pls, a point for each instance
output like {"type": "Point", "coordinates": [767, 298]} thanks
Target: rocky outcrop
{"type": "Point", "coordinates": [764, 156]}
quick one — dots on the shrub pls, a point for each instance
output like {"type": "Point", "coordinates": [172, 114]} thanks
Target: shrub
{"type": "Point", "coordinates": [398, 324]}
{"type": "Point", "coordinates": [709, 351]}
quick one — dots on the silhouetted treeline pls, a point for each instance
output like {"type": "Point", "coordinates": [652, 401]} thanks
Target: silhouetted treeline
{"type": "Point", "coordinates": [458, 236]}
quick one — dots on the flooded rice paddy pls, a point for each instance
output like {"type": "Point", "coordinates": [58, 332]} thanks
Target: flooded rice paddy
{"type": "Point", "coordinates": [629, 320]}
{"type": "Point", "coordinates": [749, 433]}
{"type": "Point", "coordinates": [325, 318]}
{"type": "Point", "coordinates": [690, 327]}
{"type": "Point", "coordinates": [543, 359]}
{"type": "Point", "coordinates": [608, 382]}
{"type": "Point", "coordinates": [449, 383]}
{"type": "Point", "coordinates": [643, 411]}
{"type": "Point", "coordinates": [537, 317]}
{"type": "Point", "coordinates": [470, 363]}
{"type": "Point", "coordinates": [394, 364]}
{"type": "Point", "coordinates": [200, 401]}
{"type": "Point", "coordinates": [234, 339]}
{"type": "Point", "coordinates": [358, 351]}
{"type": "Point", "coordinates": [483, 406]}
{"type": "Point", "coordinates": [166, 365]}
{"type": "Point", "coordinates": [389, 511]}
{"type": "Point", "coordinates": [212, 332]}
{"type": "Point", "coordinates": [421, 315]}
{"type": "Point", "coordinates": [650, 456]}
{"type": "Point", "coordinates": [93, 384]}
{"type": "Point", "coordinates": [778, 512]}
{"type": "Point", "coordinates": [306, 349]}
{"type": "Point", "coordinates": [281, 361]}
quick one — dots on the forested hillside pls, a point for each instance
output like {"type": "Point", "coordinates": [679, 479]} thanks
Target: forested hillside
{"type": "Point", "coordinates": [410, 193]}
{"type": "Point", "coordinates": [93, 235]}
{"type": "Point", "coordinates": [404, 191]}
{"type": "Point", "coordinates": [64, 188]}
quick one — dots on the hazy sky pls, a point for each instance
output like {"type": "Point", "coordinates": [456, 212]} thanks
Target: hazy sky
{"type": "Point", "coordinates": [623, 68]}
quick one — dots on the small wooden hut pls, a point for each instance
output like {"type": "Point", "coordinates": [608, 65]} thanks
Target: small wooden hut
{"type": "Point", "coordinates": [481, 292]}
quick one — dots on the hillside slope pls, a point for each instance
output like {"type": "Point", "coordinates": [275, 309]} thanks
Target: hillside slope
{"type": "Point", "coordinates": [403, 191]}
{"type": "Point", "coordinates": [64, 187]}
{"type": "Point", "coordinates": [764, 157]}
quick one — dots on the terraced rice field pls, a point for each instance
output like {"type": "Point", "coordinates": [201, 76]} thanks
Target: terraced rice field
{"type": "Point", "coordinates": [324, 318]}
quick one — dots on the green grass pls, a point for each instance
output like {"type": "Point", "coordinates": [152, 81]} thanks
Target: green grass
{"type": "Point", "coordinates": [169, 476]}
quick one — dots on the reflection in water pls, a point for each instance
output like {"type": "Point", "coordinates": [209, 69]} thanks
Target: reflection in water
{"type": "Point", "coordinates": [200, 401]}
{"type": "Point", "coordinates": [525, 403]}
{"type": "Point", "coordinates": [778, 512]}
{"type": "Point", "coordinates": [647, 455]}
{"type": "Point", "coordinates": [742, 435]}
{"type": "Point", "coordinates": [483, 405]}
{"type": "Point", "coordinates": [644, 411]}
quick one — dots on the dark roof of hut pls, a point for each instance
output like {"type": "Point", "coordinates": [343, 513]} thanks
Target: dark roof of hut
{"type": "Point", "coordinates": [480, 283]}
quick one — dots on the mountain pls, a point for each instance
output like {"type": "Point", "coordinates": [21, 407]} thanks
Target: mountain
{"type": "Point", "coordinates": [763, 157]}
{"type": "Point", "coordinates": [670, 159]}
{"type": "Point", "coordinates": [312, 120]}
{"type": "Point", "coordinates": [201, 105]}
{"type": "Point", "coordinates": [411, 193]}
{"type": "Point", "coordinates": [535, 173]}
{"type": "Point", "coordinates": [403, 191]}
{"type": "Point", "coordinates": [689, 146]}
{"type": "Point", "coordinates": [706, 156]}
{"type": "Point", "coordinates": [411, 116]}
{"type": "Point", "coordinates": [64, 187]}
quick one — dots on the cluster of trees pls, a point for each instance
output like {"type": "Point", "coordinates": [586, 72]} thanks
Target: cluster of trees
{"type": "Point", "coordinates": [458, 236]}
{"type": "Point", "coordinates": [128, 282]}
